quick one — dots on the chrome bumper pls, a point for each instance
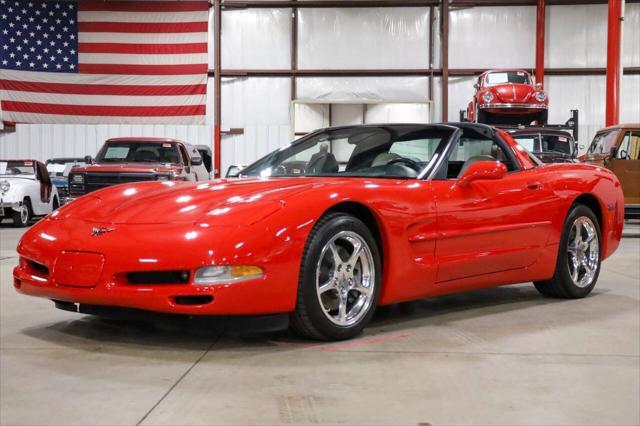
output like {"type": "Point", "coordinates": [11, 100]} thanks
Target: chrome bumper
{"type": "Point", "coordinates": [8, 206]}
{"type": "Point", "coordinates": [514, 106]}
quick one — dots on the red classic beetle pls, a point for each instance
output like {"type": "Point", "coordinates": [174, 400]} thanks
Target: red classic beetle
{"type": "Point", "coordinates": [331, 226]}
{"type": "Point", "coordinates": [507, 97]}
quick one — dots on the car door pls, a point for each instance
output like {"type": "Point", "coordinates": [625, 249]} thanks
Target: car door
{"type": "Point", "coordinates": [41, 206]}
{"type": "Point", "coordinates": [626, 165]}
{"type": "Point", "coordinates": [489, 226]}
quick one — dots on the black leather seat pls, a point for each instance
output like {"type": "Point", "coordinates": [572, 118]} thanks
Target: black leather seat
{"type": "Point", "coordinates": [322, 163]}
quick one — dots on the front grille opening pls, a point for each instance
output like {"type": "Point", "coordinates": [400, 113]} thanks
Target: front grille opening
{"type": "Point", "coordinates": [159, 277]}
{"type": "Point", "coordinates": [193, 300]}
{"type": "Point", "coordinates": [38, 268]}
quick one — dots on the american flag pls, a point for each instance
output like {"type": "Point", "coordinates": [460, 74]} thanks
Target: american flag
{"type": "Point", "coordinates": [103, 62]}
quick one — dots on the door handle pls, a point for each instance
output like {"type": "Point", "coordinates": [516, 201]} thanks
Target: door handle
{"type": "Point", "coordinates": [534, 186]}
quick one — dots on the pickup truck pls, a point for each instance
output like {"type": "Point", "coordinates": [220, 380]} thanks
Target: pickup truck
{"type": "Point", "coordinates": [132, 159]}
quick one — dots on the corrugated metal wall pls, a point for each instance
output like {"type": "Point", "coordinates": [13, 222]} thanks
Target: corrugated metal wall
{"type": "Point", "coordinates": [44, 141]}
{"type": "Point", "coordinates": [381, 38]}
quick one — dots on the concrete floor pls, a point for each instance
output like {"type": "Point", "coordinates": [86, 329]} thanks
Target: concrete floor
{"type": "Point", "coordinates": [503, 356]}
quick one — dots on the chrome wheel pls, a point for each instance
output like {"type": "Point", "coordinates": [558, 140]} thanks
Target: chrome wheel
{"type": "Point", "coordinates": [583, 249]}
{"type": "Point", "coordinates": [345, 278]}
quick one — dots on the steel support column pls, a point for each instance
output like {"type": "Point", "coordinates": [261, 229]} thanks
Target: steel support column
{"type": "Point", "coordinates": [217, 86]}
{"type": "Point", "coordinates": [613, 63]}
{"type": "Point", "coordinates": [444, 28]}
{"type": "Point", "coordinates": [540, 37]}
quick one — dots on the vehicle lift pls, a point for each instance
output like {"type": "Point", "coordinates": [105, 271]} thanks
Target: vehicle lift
{"type": "Point", "coordinates": [571, 124]}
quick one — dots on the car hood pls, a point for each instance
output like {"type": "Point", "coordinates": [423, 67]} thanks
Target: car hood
{"type": "Point", "coordinates": [126, 168]}
{"type": "Point", "coordinates": [513, 93]}
{"type": "Point", "coordinates": [223, 202]}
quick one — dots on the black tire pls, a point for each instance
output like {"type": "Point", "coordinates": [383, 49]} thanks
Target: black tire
{"type": "Point", "coordinates": [309, 318]}
{"type": "Point", "coordinates": [562, 285]}
{"type": "Point", "coordinates": [22, 218]}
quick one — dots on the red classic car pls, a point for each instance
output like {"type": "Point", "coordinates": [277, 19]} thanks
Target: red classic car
{"type": "Point", "coordinates": [325, 230]}
{"type": "Point", "coordinates": [507, 97]}
{"type": "Point", "coordinates": [134, 159]}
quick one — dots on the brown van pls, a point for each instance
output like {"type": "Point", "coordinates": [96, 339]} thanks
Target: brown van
{"type": "Point", "coordinates": [618, 149]}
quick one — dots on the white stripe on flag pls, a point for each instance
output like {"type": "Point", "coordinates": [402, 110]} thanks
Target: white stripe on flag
{"type": "Point", "coordinates": [159, 17]}
{"type": "Point", "coordinates": [26, 117]}
{"type": "Point", "coordinates": [132, 59]}
{"type": "Point", "coordinates": [115, 79]}
{"type": "Point", "coordinates": [142, 38]}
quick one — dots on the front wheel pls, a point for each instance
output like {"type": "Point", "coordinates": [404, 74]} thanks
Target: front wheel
{"type": "Point", "coordinates": [339, 279]}
{"type": "Point", "coordinates": [22, 217]}
{"type": "Point", "coordinates": [579, 257]}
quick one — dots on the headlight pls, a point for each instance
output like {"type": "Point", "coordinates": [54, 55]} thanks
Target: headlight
{"type": "Point", "coordinates": [77, 179]}
{"type": "Point", "coordinates": [211, 275]}
{"type": "Point", "coordinates": [541, 96]}
{"type": "Point", "coordinates": [487, 97]}
{"type": "Point", "coordinates": [162, 177]}
{"type": "Point", "coordinates": [5, 186]}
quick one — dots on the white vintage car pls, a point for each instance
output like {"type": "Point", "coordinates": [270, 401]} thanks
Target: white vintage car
{"type": "Point", "coordinates": [25, 191]}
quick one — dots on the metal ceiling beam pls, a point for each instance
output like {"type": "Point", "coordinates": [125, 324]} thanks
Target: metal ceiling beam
{"type": "Point", "coordinates": [239, 4]}
{"type": "Point", "coordinates": [420, 72]}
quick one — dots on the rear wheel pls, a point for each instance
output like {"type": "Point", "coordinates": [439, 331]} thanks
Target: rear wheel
{"type": "Point", "coordinates": [22, 217]}
{"type": "Point", "coordinates": [579, 254]}
{"type": "Point", "coordinates": [339, 280]}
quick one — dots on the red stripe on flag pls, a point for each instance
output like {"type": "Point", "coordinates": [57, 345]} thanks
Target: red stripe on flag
{"type": "Point", "coordinates": [143, 27]}
{"type": "Point", "coordinates": [104, 89]}
{"type": "Point", "coordinates": [100, 110]}
{"type": "Point", "coordinates": [143, 69]}
{"type": "Point", "coordinates": [142, 6]}
{"type": "Point", "coordinates": [142, 49]}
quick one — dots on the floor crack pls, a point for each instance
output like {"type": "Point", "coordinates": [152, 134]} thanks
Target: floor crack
{"type": "Point", "coordinates": [197, 361]}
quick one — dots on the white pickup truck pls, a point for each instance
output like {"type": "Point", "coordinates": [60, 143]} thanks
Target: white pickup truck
{"type": "Point", "coordinates": [26, 191]}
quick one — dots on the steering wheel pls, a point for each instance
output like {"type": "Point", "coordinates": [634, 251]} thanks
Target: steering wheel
{"type": "Point", "coordinates": [408, 162]}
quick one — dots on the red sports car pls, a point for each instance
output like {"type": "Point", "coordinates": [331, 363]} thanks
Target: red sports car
{"type": "Point", "coordinates": [508, 97]}
{"type": "Point", "coordinates": [330, 227]}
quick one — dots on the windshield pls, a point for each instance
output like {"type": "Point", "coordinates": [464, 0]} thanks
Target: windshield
{"type": "Point", "coordinates": [138, 152]}
{"type": "Point", "coordinates": [400, 151]}
{"type": "Point", "coordinates": [603, 142]}
{"type": "Point", "coordinates": [62, 168]}
{"type": "Point", "coordinates": [502, 77]}
{"type": "Point", "coordinates": [17, 168]}
{"type": "Point", "coordinates": [540, 143]}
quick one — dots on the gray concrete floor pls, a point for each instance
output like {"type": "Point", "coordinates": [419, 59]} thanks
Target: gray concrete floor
{"type": "Point", "coordinates": [503, 356]}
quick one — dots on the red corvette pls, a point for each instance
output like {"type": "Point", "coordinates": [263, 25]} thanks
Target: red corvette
{"type": "Point", "coordinates": [331, 226]}
{"type": "Point", "coordinates": [508, 97]}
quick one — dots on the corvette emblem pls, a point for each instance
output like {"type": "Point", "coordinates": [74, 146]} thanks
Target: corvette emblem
{"type": "Point", "coordinates": [96, 232]}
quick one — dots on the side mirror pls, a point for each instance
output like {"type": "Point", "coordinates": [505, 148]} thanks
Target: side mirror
{"type": "Point", "coordinates": [476, 86]}
{"type": "Point", "coordinates": [196, 161]}
{"type": "Point", "coordinates": [482, 170]}
{"type": "Point", "coordinates": [232, 172]}
{"type": "Point", "coordinates": [538, 86]}
{"type": "Point", "coordinates": [88, 159]}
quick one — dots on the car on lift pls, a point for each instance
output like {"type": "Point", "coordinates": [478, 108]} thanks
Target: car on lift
{"type": "Point", "coordinates": [378, 214]}
{"type": "Point", "coordinates": [135, 159]}
{"type": "Point", "coordinates": [26, 191]}
{"type": "Point", "coordinates": [59, 169]}
{"type": "Point", "coordinates": [618, 149]}
{"type": "Point", "coordinates": [549, 145]}
{"type": "Point", "coordinates": [508, 96]}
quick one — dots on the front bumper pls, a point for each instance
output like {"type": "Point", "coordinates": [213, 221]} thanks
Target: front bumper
{"type": "Point", "coordinates": [6, 207]}
{"type": "Point", "coordinates": [148, 248]}
{"type": "Point", "coordinates": [511, 106]}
